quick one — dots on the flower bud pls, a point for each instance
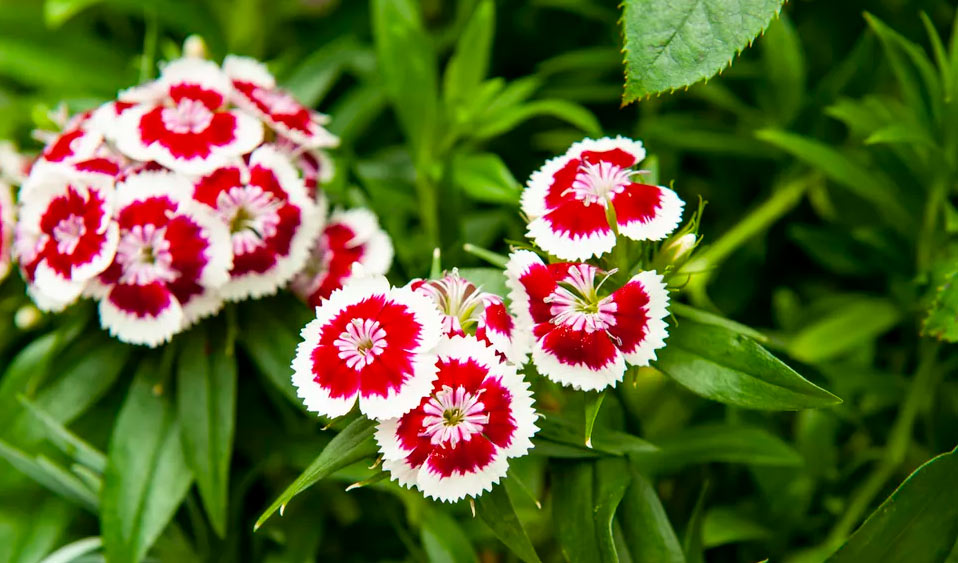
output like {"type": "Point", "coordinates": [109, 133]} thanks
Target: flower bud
{"type": "Point", "coordinates": [675, 251]}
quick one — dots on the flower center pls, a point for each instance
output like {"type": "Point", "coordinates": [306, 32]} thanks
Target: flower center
{"type": "Point", "coordinates": [144, 255]}
{"type": "Point", "coordinates": [452, 416]}
{"type": "Point", "coordinates": [189, 116]}
{"type": "Point", "coordinates": [252, 215]}
{"type": "Point", "coordinates": [598, 182]}
{"type": "Point", "coordinates": [277, 101]}
{"type": "Point", "coordinates": [576, 302]}
{"type": "Point", "coordinates": [68, 233]}
{"type": "Point", "coordinates": [459, 300]}
{"type": "Point", "coordinates": [361, 342]}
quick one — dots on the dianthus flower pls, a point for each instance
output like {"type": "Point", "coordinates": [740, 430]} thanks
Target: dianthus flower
{"type": "Point", "coordinates": [584, 339]}
{"type": "Point", "coordinates": [458, 440]}
{"type": "Point", "coordinates": [371, 342]}
{"type": "Point", "coordinates": [577, 202]}
{"type": "Point", "coordinates": [468, 310]}
{"type": "Point", "coordinates": [349, 238]}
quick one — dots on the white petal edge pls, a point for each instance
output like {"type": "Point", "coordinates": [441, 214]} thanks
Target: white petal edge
{"type": "Point", "coordinates": [668, 215]}
{"type": "Point", "coordinates": [518, 265]}
{"type": "Point", "coordinates": [626, 144]}
{"type": "Point", "coordinates": [149, 331]}
{"type": "Point", "coordinates": [248, 69]}
{"type": "Point", "coordinates": [656, 310]}
{"type": "Point", "coordinates": [578, 377]}
{"type": "Point", "coordinates": [566, 246]}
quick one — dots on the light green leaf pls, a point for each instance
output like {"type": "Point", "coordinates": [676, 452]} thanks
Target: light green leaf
{"type": "Point", "coordinates": [470, 60]}
{"type": "Point", "coordinates": [853, 323]}
{"type": "Point", "coordinates": [354, 443]}
{"type": "Point", "coordinates": [146, 475]}
{"type": "Point", "coordinates": [671, 45]}
{"type": "Point", "coordinates": [722, 365]}
{"type": "Point", "coordinates": [648, 533]}
{"type": "Point", "coordinates": [487, 279]}
{"type": "Point", "coordinates": [74, 550]}
{"type": "Point", "coordinates": [724, 525]}
{"type": "Point", "coordinates": [444, 540]}
{"type": "Point", "coordinates": [593, 402]}
{"type": "Point", "coordinates": [506, 120]}
{"type": "Point", "coordinates": [484, 177]}
{"type": "Point", "coordinates": [560, 430]}
{"type": "Point", "coordinates": [495, 509]}
{"type": "Point", "coordinates": [206, 403]}
{"type": "Point", "coordinates": [918, 523]}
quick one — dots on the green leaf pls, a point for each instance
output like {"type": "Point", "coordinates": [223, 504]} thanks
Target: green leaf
{"type": "Point", "coordinates": [146, 476]}
{"type": "Point", "coordinates": [722, 365]}
{"type": "Point", "coordinates": [206, 403]}
{"type": "Point", "coordinates": [487, 279]}
{"type": "Point", "coordinates": [918, 523]}
{"type": "Point", "coordinates": [648, 533]}
{"type": "Point", "coordinates": [444, 540]}
{"type": "Point", "coordinates": [671, 45]}
{"type": "Point", "coordinates": [593, 402]}
{"type": "Point", "coordinates": [500, 122]}
{"type": "Point", "coordinates": [354, 443]}
{"type": "Point", "coordinates": [315, 76]}
{"type": "Point", "coordinates": [484, 177]}
{"type": "Point", "coordinates": [942, 319]}
{"type": "Point", "coordinates": [558, 429]}
{"type": "Point", "coordinates": [470, 60]}
{"type": "Point", "coordinates": [407, 65]}
{"type": "Point", "coordinates": [271, 344]}
{"type": "Point", "coordinates": [572, 509]}
{"type": "Point", "coordinates": [851, 324]}
{"type": "Point", "coordinates": [50, 475]}
{"type": "Point", "coordinates": [718, 443]}
{"type": "Point", "coordinates": [704, 317]}
{"type": "Point", "coordinates": [495, 509]}
{"type": "Point", "coordinates": [612, 479]}
{"type": "Point", "coordinates": [724, 525]}
{"type": "Point", "coordinates": [67, 442]}
{"type": "Point", "coordinates": [73, 551]}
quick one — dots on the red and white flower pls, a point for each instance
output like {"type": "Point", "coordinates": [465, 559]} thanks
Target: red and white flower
{"type": "Point", "coordinates": [468, 310]}
{"type": "Point", "coordinates": [271, 220]}
{"type": "Point", "coordinates": [254, 89]}
{"type": "Point", "coordinates": [350, 237]}
{"type": "Point", "coordinates": [7, 223]}
{"type": "Point", "coordinates": [583, 339]}
{"type": "Point", "coordinates": [370, 342]}
{"type": "Point", "coordinates": [65, 235]}
{"type": "Point", "coordinates": [456, 443]}
{"type": "Point", "coordinates": [188, 128]}
{"type": "Point", "coordinates": [570, 200]}
{"type": "Point", "coordinates": [315, 165]}
{"type": "Point", "coordinates": [171, 251]}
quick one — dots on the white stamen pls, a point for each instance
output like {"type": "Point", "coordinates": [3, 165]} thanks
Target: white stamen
{"type": "Point", "coordinates": [144, 254]}
{"type": "Point", "coordinates": [252, 215]}
{"type": "Point", "coordinates": [598, 182]}
{"type": "Point", "coordinates": [453, 416]}
{"type": "Point", "coordinates": [189, 116]}
{"type": "Point", "coordinates": [360, 343]}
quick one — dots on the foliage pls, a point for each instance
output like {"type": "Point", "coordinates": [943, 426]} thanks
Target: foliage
{"type": "Point", "coordinates": [827, 153]}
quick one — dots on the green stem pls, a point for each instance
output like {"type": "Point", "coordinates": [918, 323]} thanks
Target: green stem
{"type": "Point", "coordinates": [922, 387]}
{"type": "Point", "coordinates": [927, 236]}
{"type": "Point", "coordinates": [428, 208]}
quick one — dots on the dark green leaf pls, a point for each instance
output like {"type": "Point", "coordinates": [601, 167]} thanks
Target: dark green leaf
{"type": "Point", "coordinates": [572, 509]}
{"type": "Point", "coordinates": [504, 121]}
{"type": "Point", "coordinates": [495, 509]}
{"type": "Point", "coordinates": [206, 402]}
{"type": "Point", "coordinates": [918, 523]}
{"type": "Point", "coordinates": [271, 344]}
{"type": "Point", "coordinates": [51, 475]}
{"type": "Point", "coordinates": [67, 442]}
{"type": "Point", "coordinates": [484, 177]}
{"type": "Point", "coordinates": [670, 45]}
{"type": "Point", "coordinates": [942, 319]}
{"type": "Point", "coordinates": [724, 525]}
{"type": "Point", "coordinates": [722, 365]}
{"type": "Point", "coordinates": [146, 475]}
{"type": "Point", "coordinates": [853, 323]}
{"type": "Point", "coordinates": [555, 428]}
{"type": "Point", "coordinates": [354, 443]}
{"type": "Point", "coordinates": [612, 478]}
{"type": "Point", "coordinates": [648, 533]}
{"type": "Point", "coordinates": [725, 444]}
{"type": "Point", "coordinates": [444, 540]}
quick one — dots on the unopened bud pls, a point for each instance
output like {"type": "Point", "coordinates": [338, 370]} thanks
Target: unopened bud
{"type": "Point", "coordinates": [195, 47]}
{"type": "Point", "coordinates": [27, 317]}
{"type": "Point", "coordinates": [675, 251]}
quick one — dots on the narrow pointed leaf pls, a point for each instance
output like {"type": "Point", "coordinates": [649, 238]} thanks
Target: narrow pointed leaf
{"type": "Point", "coordinates": [612, 479]}
{"type": "Point", "coordinates": [645, 525]}
{"type": "Point", "coordinates": [496, 510]}
{"type": "Point", "coordinates": [572, 509]}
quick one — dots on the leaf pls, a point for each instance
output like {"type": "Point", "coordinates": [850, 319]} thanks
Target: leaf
{"type": "Point", "coordinates": [724, 525]}
{"type": "Point", "coordinates": [487, 279]}
{"type": "Point", "coordinates": [352, 444]}
{"type": "Point", "coordinates": [146, 476]}
{"type": "Point", "coordinates": [572, 507]}
{"type": "Point", "coordinates": [315, 76]}
{"type": "Point", "coordinates": [704, 317]}
{"type": "Point", "coordinates": [470, 60]}
{"type": "Point", "coordinates": [407, 65]}
{"type": "Point", "coordinates": [612, 479]}
{"type": "Point", "coordinates": [942, 319]}
{"type": "Point", "coordinates": [271, 344]}
{"type": "Point", "coordinates": [721, 365]}
{"type": "Point", "coordinates": [484, 177]}
{"type": "Point", "coordinates": [671, 45]}
{"type": "Point", "coordinates": [558, 429]}
{"type": "Point", "coordinates": [444, 540]}
{"type": "Point", "coordinates": [856, 178]}
{"type": "Point", "coordinates": [50, 475]}
{"type": "Point", "coordinates": [67, 442]}
{"type": "Point", "coordinates": [648, 533]}
{"type": "Point", "coordinates": [206, 403]}
{"type": "Point", "coordinates": [73, 551]}
{"type": "Point", "coordinates": [593, 402]}
{"type": "Point", "coordinates": [496, 510]}
{"type": "Point", "coordinates": [850, 325]}
{"type": "Point", "coordinates": [918, 523]}
{"type": "Point", "coordinates": [504, 121]}
{"type": "Point", "coordinates": [718, 443]}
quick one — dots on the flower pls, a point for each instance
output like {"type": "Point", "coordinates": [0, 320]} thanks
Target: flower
{"type": "Point", "coordinates": [271, 220]}
{"type": "Point", "coordinates": [583, 339]}
{"type": "Point", "coordinates": [350, 237]}
{"type": "Point", "coordinates": [457, 441]}
{"type": "Point", "coordinates": [254, 89]}
{"type": "Point", "coordinates": [171, 250]}
{"type": "Point", "coordinates": [468, 310]}
{"type": "Point", "coordinates": [371, 342]}
{"type": "Point", "coordinates": [569, 201]}
{"type": "Point", "coordinates": [65, 235]}
{"type": "Point", "coordinates": [183, 122]}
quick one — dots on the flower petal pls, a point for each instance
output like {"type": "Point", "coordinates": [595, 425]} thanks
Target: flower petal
{"type": "Point", "coordinates": [141, 314]}
{"type": "Point", "coordinates": [587, 361]}
{"type": "Point", "coordinates": [573, 230]}
{"type": "Point", "coordinates": [641, 305]}
{"type": "Point", "coordinates": [645, 212]}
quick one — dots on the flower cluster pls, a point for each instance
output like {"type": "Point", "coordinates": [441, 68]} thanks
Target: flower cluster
{"type": "Point", "coordinates": [430, 362]}
{"type": "Point", "coordinates": [577, 205]}
{"type": "Point", "coordinates": [194, 189]}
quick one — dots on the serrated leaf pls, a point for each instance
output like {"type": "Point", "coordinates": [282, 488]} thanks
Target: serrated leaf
{"type": "Point", "coordinates": [724, 366]}
{"type": "Point", "coordinates": [352, 444]}
{"type": "Point", "coordinates": [206, 404]}
{"type": "Point", "coordinates": [496, 510]}
{"type": "Point", "coordinates": [918, 523]}
{"type": "Point", "coordinates": [674, 44]}
{"type": "Point", "coordinates": [146, 475]}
